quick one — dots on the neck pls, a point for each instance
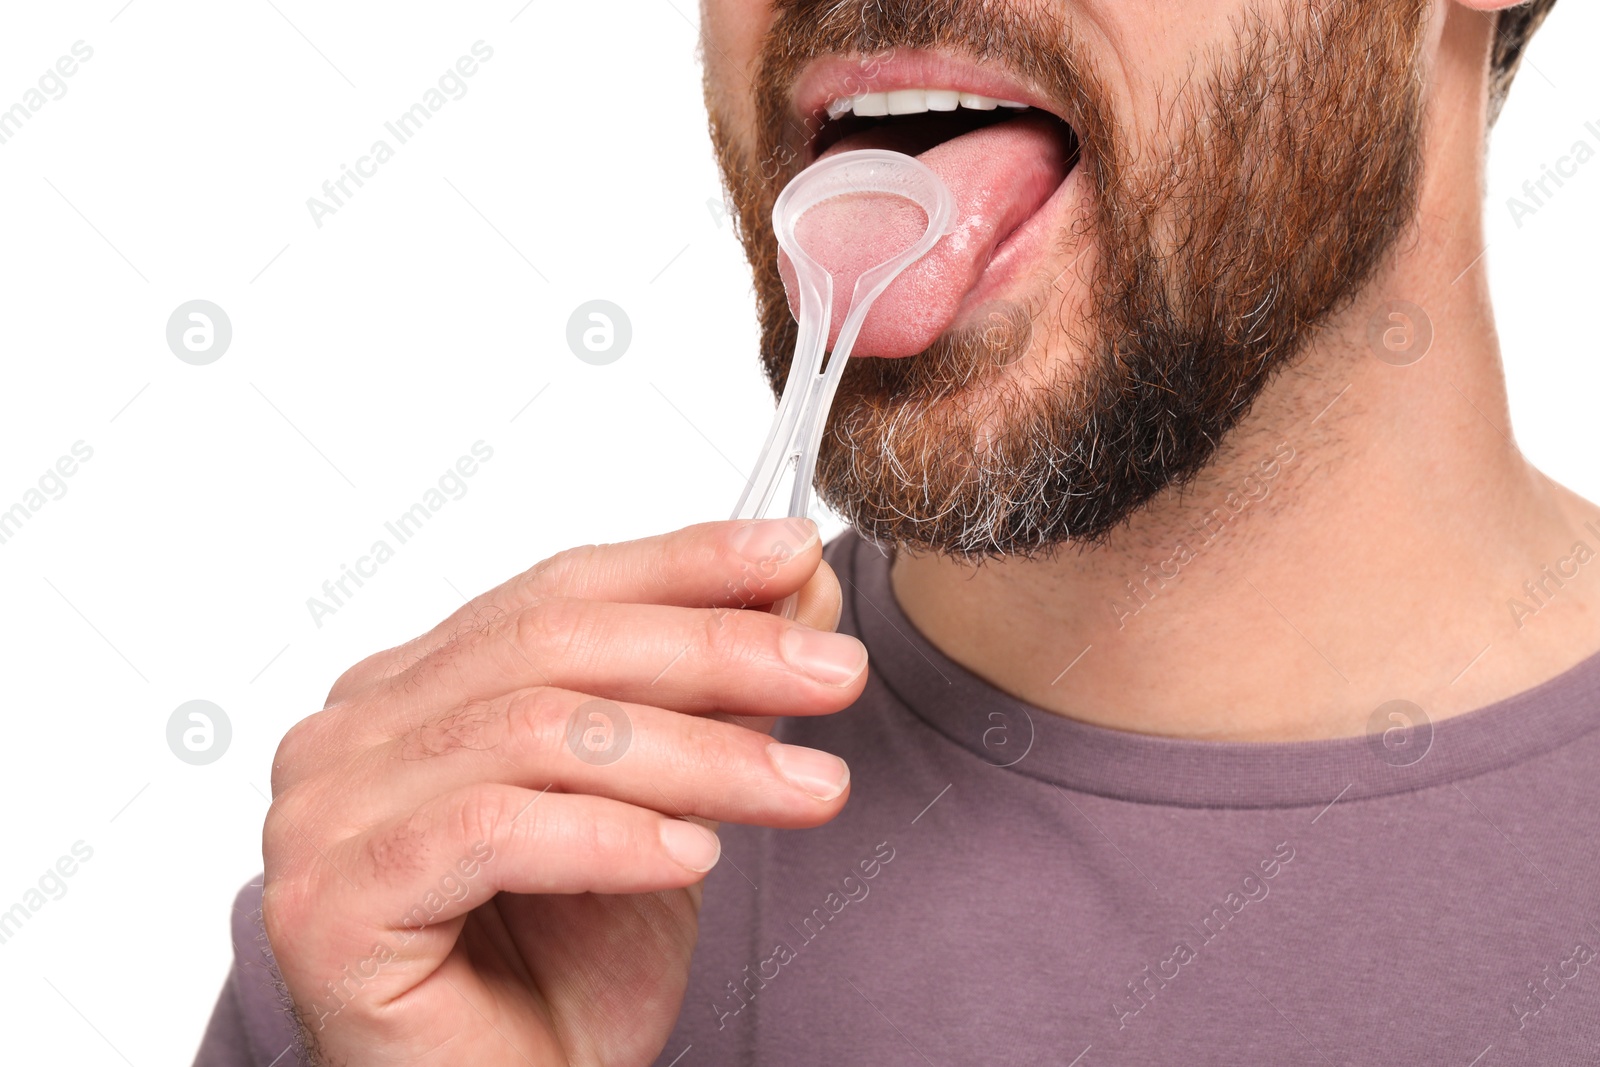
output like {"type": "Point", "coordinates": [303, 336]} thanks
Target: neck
{"type": "Point", "coordinates": [1369, 533]}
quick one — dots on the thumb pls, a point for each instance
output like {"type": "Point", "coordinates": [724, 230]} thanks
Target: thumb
{"type": "Point", "coordinates": [821, 600]}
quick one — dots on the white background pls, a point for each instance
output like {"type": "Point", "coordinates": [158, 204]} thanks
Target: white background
{"type": "Point", "coordinates": [427, 314]}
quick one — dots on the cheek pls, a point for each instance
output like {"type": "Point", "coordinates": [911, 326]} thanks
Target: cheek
{"type": "Point", "coordinates": [1147, 51]}
{"type": "Point", "coordinates": [732, 31]}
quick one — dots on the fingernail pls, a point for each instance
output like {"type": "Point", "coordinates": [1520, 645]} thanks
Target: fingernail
{"type": "Point", "coordinates": [822, 774]}
{"type": "Point", "coordinates": [693, 846]}
{"type": "Point", "coordinates": [830, 658]}
{"type": "Point", "coordinates": [774, 540]}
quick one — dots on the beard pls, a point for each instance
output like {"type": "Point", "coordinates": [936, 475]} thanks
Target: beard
{"type": "Point", "coordinates": [1284, 173]}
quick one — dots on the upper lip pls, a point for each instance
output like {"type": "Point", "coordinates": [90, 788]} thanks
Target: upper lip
{"type": "Point", "coordinates": [834, 77]}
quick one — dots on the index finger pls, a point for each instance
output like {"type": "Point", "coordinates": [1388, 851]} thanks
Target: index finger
{"type": "Point", "coordinates": [726, 564]}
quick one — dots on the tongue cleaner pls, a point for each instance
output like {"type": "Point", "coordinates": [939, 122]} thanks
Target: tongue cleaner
{"type": "Point", "coordinates": [808, 394]}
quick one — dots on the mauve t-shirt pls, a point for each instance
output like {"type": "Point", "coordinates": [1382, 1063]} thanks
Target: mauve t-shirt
{"type": "Point", "coordinates": [1006, 886]}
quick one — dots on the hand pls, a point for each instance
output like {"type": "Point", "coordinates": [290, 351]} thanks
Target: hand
{"type": "Point", "coordinates": [487, 848]}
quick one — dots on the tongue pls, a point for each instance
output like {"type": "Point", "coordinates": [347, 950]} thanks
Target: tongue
{"type": "Point", "coordinates": [999, 175]}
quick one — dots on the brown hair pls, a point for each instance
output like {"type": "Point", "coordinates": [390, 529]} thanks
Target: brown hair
{"type": "Point", "coordinates": [1216, 258]}
{"type": "Point", "coordinates": [1511, 33]}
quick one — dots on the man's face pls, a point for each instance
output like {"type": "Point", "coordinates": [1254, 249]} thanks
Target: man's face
{"type": "Point", "coordinates": [1196, 187]}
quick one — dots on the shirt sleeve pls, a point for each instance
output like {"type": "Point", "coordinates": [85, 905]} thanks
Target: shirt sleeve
{"type": "Point", "coordinates": [251, 1025]}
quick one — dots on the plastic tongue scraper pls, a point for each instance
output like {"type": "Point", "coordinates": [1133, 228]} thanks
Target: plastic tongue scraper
{"type": "Point", "coordinates": [808, 394]}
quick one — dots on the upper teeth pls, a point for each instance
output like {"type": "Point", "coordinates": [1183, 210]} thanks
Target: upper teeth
{"type": "Point", "coordinates": [913, 102]}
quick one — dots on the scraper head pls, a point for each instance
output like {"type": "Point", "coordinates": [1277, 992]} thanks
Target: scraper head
{"type": "Point", "coordinates": [808, 394]}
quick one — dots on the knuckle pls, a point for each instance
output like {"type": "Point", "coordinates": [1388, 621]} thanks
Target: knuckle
{"type": "Point", "coordinates": [611, 833]}
{"type": "Point", "coordinates": [298, 750]}
{"type": "Point", "coordinates": [737, 638]}
{"type": "Point", "coordinates": [537, 718]}
{"type": "Point", "coordinates": [288, 907]}
{"type": "Point", "coordinates": [705, 544]}
{"type": "Point", "coordinates": [551, 627]}
{"type": "Point", "coordinates": [607, 829]}
{"type": "Point", "coordinates": [704, 749]}
{"type": "Point", "coordinates": [284, 844]}
{"type": "Point", "coordinates": [478, 814]}
{"type": "Point", "coordinates": [554, 574]}
{"type": "Point", "coordinates": [274, 841]}
{"type": "Point", "coordinates": [356, 678]}
{"type": "Point", "coordinates": [619, 837]}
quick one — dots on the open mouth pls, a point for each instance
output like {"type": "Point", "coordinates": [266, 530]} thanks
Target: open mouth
{"type": "Point", "coordinates": [922, 119]}
{"type": "Point", "coordinates": [1011, 163]}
